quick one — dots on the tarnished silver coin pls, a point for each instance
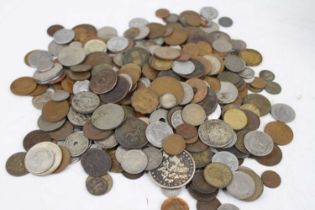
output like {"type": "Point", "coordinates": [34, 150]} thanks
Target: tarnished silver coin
{"type": "Point", "coordinates": [171, 192]}
{"type": "Point", "coordinates": [143, 33]}
{"type": "Point", "coordinates": [117, 44]}
{"type": "Point", "coordinates": [175, 171]}
{"type": "Point", "coordinates": [40, 59]}
{"type": "Point", "coordinates": [227, 93]}
{"type": "Point", "coordinates": [282, 112]}
{"type": "Point", "coordinates": [80, 86]}
{"type": "Point", "coordinates": [222, 45]}
{"type": "Point", "coordinates": [234, 63]}
{"type": "Point", "coordinates": [77, 118]}
{"type": "Point", "coordinates": [242, 185]}
{"type": "Point", "coordinates": [157, 131]}
{"type": "Point", "coordinates": [54, 48]}
{"type": "Point", "coordinates": [225, 21]}
{"type": "Point", "coordinates": [183, 67]}
{"type": "Point", "coordinates": [258, 143]}
{"type": "Point", "coordinates": [226, 158]}
{"type": "Point", "coordinates": [227, 206]}
{"type": "Point", "coordinates": [60, 95]}
{"type": "Point", "coordinates": [77, 143]}
{"type": "Point", "coordinates": [267, 75]}
{"type": "Point", "coordinates": [209, 13]}
{"type": "Point", "coordinates": [64, 36]}
{"type": "Point", "coordinates": [108, 116]}
{"type": "Point", "coordinates": [44, 77]}
{"type": "Point", "coordinates": [81, 68]}
{"type": "Point", "coordinates": [38, 160]}
{"type": "Point", "coordinates": [71, 56]}
{"type": "Point", "coordinates": [49, 126]}
{"type": "Point", "coordinates": [188, 93]}
{"type": "Point", "coordinates": [107, 143]}
{"type": "Point", "coordinates": [134, 161]}
{"type": "Point", "coordinates": [85, 102]}
{"type": "Point", "coordinates": [138, 22]}
{"type": "Point", "coordinates": [119, 153]}
{"type": "Point", "coordinates": [106, 33]}
{"type": "Point", "coordinates": [154, 156]}
{"type": "Point", "coordinates": [216, 133]}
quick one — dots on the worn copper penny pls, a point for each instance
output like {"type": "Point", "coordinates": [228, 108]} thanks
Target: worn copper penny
{"type": "Point", "coordinates": [23, 86]}
{"type": "Point", "coordinates": [93, 133]}
{"type": "Point", "coordinates": [174, 144]}
{"type": "Point", "coordinates": [272, 159]}
{"type": "Point", "coordinates": [15, 164]}
{"type": "Point", "coordinates": [118, 93]}
{"type": "Point", "coordinates": [144, 100]}
{"type": "Point", "coordinates": [66, 159]}
{"type": "Point", "coordinates": [35, 137]}
{"type": "Point", "coordinates": [162, 13]}
{"type": "Point", "coordinates": [280, 133]}
{"type": "Point", "coordinates": [271, 179]}
{"type": "Point", "coordinates": [174, 203]}
{"type": "Point", "coordinates": [177, 37]}
{"type": "Point", "coordinates": [55, 111]}
{"type": "Point", "coordinates": [54, 28]}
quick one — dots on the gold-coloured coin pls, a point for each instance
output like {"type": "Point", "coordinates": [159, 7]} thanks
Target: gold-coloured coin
{"type": "Point", "coordinates": [252, 108]}
{"type": "Point", "coordinates": [144, 100]}
{"type": "Point", "coordinates": [133, 70]}
{"type": "Point", "coordinates": [160, 64]}
{"type": "Point", "coordinates": [251, 57]}
{"type": "Point", "coordinates": [236, 118]}
{"type": "Point", "coordinates": [218, 175]}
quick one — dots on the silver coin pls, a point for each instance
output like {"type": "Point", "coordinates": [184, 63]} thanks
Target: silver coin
{"type": "Point", "coordinates": [242, 185]}
{"type": "Point", "coordinates": [44, 77]}
{"type": "Point", "coordinates": [238, 44]}
{"type": "Point", "coordinates": [77, 118]}
{"type": "Point", "coordinates": [167, 100]}
{"type": "Point", "coordinates": [227, 158]}
{"type": "Point", "coordinates": [273, 88]}
{"type": "Point", "coordinates": [81, 68]}
{"type": "Point", "coordinates": [85, 102]}
{"type": "Point", "coordinates": [228, 206]}
{"type": "Point", "coordinates": [119, 153]}
{"type": "Point", "coordinates": [216, 114]}
{"type": "Point", "coordinates": [267, 75]}
{"type": "Point", "coordinates": [71, 56]}
{"type": "Point", "coordinates": [175, 171]}
{"type": "Point", "coordinates": [225, 21]}
{"type": "Point", "coordinates": [247, 73]}
{"type": "Point", "coordinates": [55, 149]}
{"type": "Point", "coordinates": [222, 45]}
{"type": "Point", "coordinates": [183, 67]}
{"type": "Point", "coordinates": [129, 79]}
{"type": "Point", "coordinates": [134, 161]}
{"type": "Point", "coordinates": [108, 143]}
{"type": "Point", "coordinates": [39, 101]}
{"type": "Point", "coordinates": [64, 36]}
{"type": "Point", "coordinates": [209, 13]}
{"type": "Point", "coordinates": [80, 86]}
{"type": "Point", "coordinates": [216, 133]}
{"type": "Point", "coordinates": [171, 192]}
{"type": "Point", "coordinates": [172, 18]}
{"type": "Point", "coordinates": [154, 156]}
{"type": "Point", "coordinates": [282, 112]}
{"type": "Point", "coordinates": [157, 131]}
{"type": "Point", "coordinates": [143, 33]}
{"type": "Point", "coordinates": [117, 44]}
{"type": "Point", "coordinates": [76, 44]}
{"type": "Point", "coordinates": [188, 93]}
{"type": "Point", "coordinates": [49, 126]}
{"type": "Point", "coordinates": [232, 143]}
{"type": "Point", "coordinates": [106, 33]}
{"type": "Point", "coordinates": [108, 116]}
{"type": "Point", "coordinates": [38, 160]}
{"type": "Point", "coordinates": [77, 143]}
{"type": "Point", "coordinates": [54, 48]}
{"type": "Point", "coordinates": [210, 27]}
{"type": "Point", "coordinates": [40, 59]}
{"type": "Point", "coordinates": [176, 118]}
{"type": "Point", "coordinates": [234, 63]}
{"type": "Point", "coordinates": [60, 95]}
{"type": "Point", "coordinates": [249, 80]}
{"type": "Point", "coordinates": [159, 115]}
{"type": "Point", "coordinates": [138, 22]}
{"type": "Point", "coordinates": [227, 93]}
{"type": "Point", "coordinates": [258, 143]}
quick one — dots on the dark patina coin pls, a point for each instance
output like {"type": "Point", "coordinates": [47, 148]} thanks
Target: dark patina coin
{"type": "Point", "coordinates": [96, 185]}
{"type": "Point", "coordinates": [209, 205]}
{"type": "Point", "coordinates": [202, 196]}
{"type": "Point", "coordinates": [131, 134]}
{"type": "Point", "coordinates": [96, 162]}
{"type": "Point", "coordinates": [103, 81]}
{"type": "Point", "coordinates": [63, 132]}
{"type": "Point", "coordinates": [136, 55]}
{"type": "Point", "coordinates": [118, 93]}
{"type": "Point", "coordinates": [210, 102]}
{"type": "Point", "coordinates": [15, 164]}
{"type": "Point", "coordinates": [199, 183]}
{"type": "Point", "coordinates": [35, 137]}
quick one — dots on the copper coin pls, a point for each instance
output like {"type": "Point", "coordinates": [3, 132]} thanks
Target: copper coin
{"type": "Point", "coordinates": [280, 133]}
{"type": "Point", "coordinates": [174, 203]}
{"type": "Point", "coordinates": [132, 33]}
{"type": "Point", "coordinates": [177, 37]}
{"type": "Point", "coordinates": [103, 81]}
{"type": "Point", "coordinates": [116, 167]}
{"type": "Point", "coordinates": [210, 205]}
{"type": "Point", "coordinates": [55, 111]}
{"type": "Point", "coordinates": [198, 146]}
{"type": "Point", "coordinates": [96, 162]}
{"type": "Point", "coordinates": [253, 121]}
{"type": "Point", "coordinates": [93, 133]}
{"type": "Point", "coordinates": [35, 137]}
{"type": "Point", "coordinates": [84, 32]}
{"type": "Point", "coordinates": [66, 159]}
{"type": "Point", "coordinates": [199, 183]}
{"type": "Point", "coordinates": [191, 18]}
{"type": "Point", "coordinates": [162, 13]}
{"type": "Point", "coordinates": [39, 90]}
{"type": "Point", "coordinates": [156, 30]}
{"type": "Point", "coordinates": [67, 84]}
{"type": "Point", "coordinates": [63, 132]}
{"type": "Point", "coordinates": [174, 144]}
{"type": "Point", "coordinates": [272, 159]}
{"type": "Point", "coordinates": [23, 86]}
{"type": "Point", "coordinates": [53, 28]}
{"type": "Point", "coordinates": [118, 93]}
{"type": "Point", "coordinates": [271, 179]}
{"type": "Point", "coordinates": [144, 100]}
{"type": "Point", "coordinates": [15, 164]}
{"type": "Point", "coordinates": [200, 89]}
{"type": "Point", "coordinates": [187, 131]}
{"type": "Point", "coordinates": [97, 58]}
{"type": "Point", "coordinates": [258, 83]}
{"type": "Point", "coordinates": [203, 197]}
{"type": "Point", "coordinates": [133, 70]}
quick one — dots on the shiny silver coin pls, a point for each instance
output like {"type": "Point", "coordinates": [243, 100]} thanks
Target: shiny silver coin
{"type": "Point", "coordinates": [117, 44]}
{"type": "Point", "coordinates": [81, 86]}
{"type": "Point", "coordinates": [183, 67]}
{"type": "Point", "coordinates": [71, 56]}
{"type": "Point", "coordinates": [283, 112]}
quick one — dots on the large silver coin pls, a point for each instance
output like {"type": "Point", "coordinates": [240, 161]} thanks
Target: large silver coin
{"type": "Point", "coordinates": [258, 143]}
{"type": "Point", "coordinates": [226, 158]}
{"type": "Point", "coordinates": [77, 143]}
{"type": "Point", "coordinates": [157, 131]}
{"type": "Point", "coordinates": [175, 171]}
{"type": "Point", "coordinates": [106, 33]}
{"type": "Point", "coordinates": [85, 102]}
{"type": "Point", "coordinates": [242, 185]}
{"type": "Point", "coordinates": [134, 161]}
{"type": "Point", "coordinates": [40, 59]}
{"type": "Point", "coordinates": [38, 160]}
{"type": "Point", "coordinates": [282, 112]}
{"type": "Point", "coordinates": [70, 56]}
{"type": "Point", "coordinates": [227, 93]}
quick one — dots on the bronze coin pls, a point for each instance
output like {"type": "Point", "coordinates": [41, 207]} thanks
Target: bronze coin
{"type": "Point", "coordinates": [93, 133]}
{"type": "Point", "coordinates": [103, 81]}
{"type": "Point", "coordinates": [96, 162]}
{"type": "Point", "coordinates": [156, 30]}
{"type": "Point", "coordinates": [96, 185]}
{"type": "Point", "coordinates": [61, 133]}
{"type": "Point", "coordinates": [162, 13]}
{"type": "Point", "coordinates": [133, 70]}
{"type": "Point", "coordinates": [198, 146]}
{"type": "Point", "coordinates": [132, 33]}
{"type": "Point", "coordinates": [271, 179]}
{"type": "Point", "coordinates": [78, 76]}
{"type": "Point", "coordinates": [144, 100]}
{"type": "Point", "coordinates": [190, 49]}
{"type": "Point", "coordinates": [200, 89]}
{"type": "Point", "coordinates": [174, 144]}
{"type": "Point", "coordinates": [191, 18]}
{"type": "Point", "coordinates": [118, 93]}
{"type": "Point", "coordinates": [39, 90]}
{"type": "Point", "coordinates": [253, 121]}
{"type": "Point", "coordinates": [280, 133]}
{"type": "Point", "coordinates": [67, 84]}
{"type": "Point", "coordinates": [35, 137]}
{"type": "Point", "coordinates": [199, 184]}
{"type": "Point", "coordinates": [209, 205]}
{"type": "Point", "coordinates": [66, 159]}
{"type": "Point", "coordinates": [53, 28]}
{"type": "Point", "coordinates": [187, 131]}
{"type": "Point", "coordinates": [23, 86]}
{"type": "Point", "coordinates": [272, 159]}
{"type": "Point", "coordinates": [174, 203]}
{"type": "Point", "coordinates": [55, 111]}
{"type": "Point", "coordinates": [258, 83]}
{"type": "Point", "coordinates": [260, 101]}
{"type": "Point", "coordinates": [84, 32]}
{"type": "Point", "coordinates": [97, 58]}
{"type": "Point", "coordinates": [210, 102]}
{"type": "Point", "coordinates": [149, 72]}
{"type": "Point", "coordinates": [177, 37]}
{"type": "Point", "coordinates": [15, 164]}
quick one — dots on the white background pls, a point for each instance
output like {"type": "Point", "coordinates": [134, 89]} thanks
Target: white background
{"type": "Point", "coordinates": [283, 31]}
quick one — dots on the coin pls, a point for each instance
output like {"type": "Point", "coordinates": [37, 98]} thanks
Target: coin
{"type": "Point", "coordinates": [144, 100]}
{"type": "Point", "coordinates": [251, 57]}
{"type": "Point", "coordinates": [280, 133]}
{"type": "Point", "coordinates": [96, 185]}
{"type": "Point", "coordinates": [85, 102]}
{"type": "Point", "coordinates": [267, 75]}
{"type": "Point", "coordinates": [282, 112]}
{"type": "Point", "coordinates": [208, 205]}
{"type": "Point", "coordinates": [227, 93]}
{"type": "Point", "coordinates": [167, 53]}
{"type": "Point", "coordinates": [70, 56]}
{"type": "Point", "coordinates": [218, 175]}
{"type": "Point", "coordinates": [225, 21]}
{"type": "Point", "coordinates": [49, 126]}
{"type": "Point", "coordinates": [77, 118]}
{"type": "Point", "coordinates": [55, 111]}
{"type": "Point", "coordinates": [63, 36]}
{"type": "Point", "coordinates": [96, 162]}
{"type": "Point", "coordinates": [260, 101]}
{"type": "Point", "coordinates": [66, 159]}
{"type": "Point", "coordinates": [60, 95]}
{"type": "Point", "coordinates": [183, 67]}
{"type": "Point", "coordinates": [91, 132]}
{"type": "Point", "coordinates": [272, 159]}
{"type": "Point", "coordinates": [171, 192]}
{"type": "Point", "coordinates": [193, 114]}
{"type": "Point", "coordinates": [242, 185]}
{"type": "Point", "coordinates": [173, 144]}
{"type": "Point", "coordinates": [209, 13]}
{"type": "Point", "coordinates": [23, 86]}
{"type": "Point", "coordinates": [108, 116]}
{"type": "Point", "coordinates": [117, 44]}
{"type": "Point", "coordinates": [77, 143]}
{"type": "Point", "coordinates": [35, 137]}
{"type": "Point", "coordinates": [258, 143]}
{"type": "Point", "coordinates": [271, 179]}
{"type": "Point", "coordinates": [228, 206]}
{"type": "Point", "coordinates": [234, 63]}
{"type": "Point", "coordinates": [154, 156]}
{"type": "Point", "coordinates": [103, 81]}
{"type": "Point", "coordinates": [259, 187]}
{"type": "Point", "coordinates": [174, 203]}
{"type": "Point", "coordinates": [134, 161]}
{"type": "Point", "coordinates": [15, 164]}
{"type": "Point", "coordinates": [202, 158]}
{"type": "Point", "coordinates": [188, 93]}
{"type": "Point", "coordinates": [227, 158]}
{"type": "Point", "coordinates": [156, 132]}
{"type": "Point", "coordinates": [235, 118]}
{"type": "Point", "coordinates": [168, 100]}
{"type": "Point", "coordinates": [118, 93]}
{"type": "Point", "coordinates": [200, 185]}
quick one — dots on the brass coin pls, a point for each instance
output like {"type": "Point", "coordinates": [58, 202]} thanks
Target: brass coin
{"type": "Point", "coordinates": [53, 28]}
{"type": "Point", "coordinates": [200, 88]}
{"type": "Point", "coordinates": [204, 48]}
{"type": "Point", "coordinates": [280, 133]}
{"type": "Point", "coordinates": [166, 53]}
{"type": "Point", "coordinates": [23, 86]}
{"type": "Point", "coordinates": [55, 111]}
{"type": "Point", "coordinates": [156, 30]}
{"type": "Point", "coordinates": [160, 64]}
{"type": "Point", "coordinates": [193, 114]}
{"type": "Point", "coordinates": [174, 144]}
{"type": "Point", "coordinates": [251, 57]}
{"type": "Point", "coordinates": [258, 83]}
{"type": "Point", "coordinates": [162, 13]}
{"type": "Point", "coordinates": [84, 32]}
{"type": "Point", "coordinates": [66, 159]}
{"type": "Point", "coordinates": [149, 72]}
{"type": "Point", "coordinates": [236, 118]}
{"type": "Point", "coordinates": [218, 175]}
{"type": "Point", "coordinates": [251, 107]}
{"type": "Point", "coordinates": [271, 179]}
{"type": "Point", "coordinates": [190, 49]}
{"type": "Point", "coordinates": [144, 100]}
{"type": "Point", "coordinates": [272, 159]}
{"type": "Point", "coordinates": [177, 37]}
{"type": "Point", "coordinates": [174, 203]}
{"type": "Point", "coordinates": [190, 17]}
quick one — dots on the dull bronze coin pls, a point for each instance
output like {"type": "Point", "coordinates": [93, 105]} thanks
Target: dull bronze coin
{"type": "Point", "coordinates": [55, 111]}
{"type": "Point", "coordinates": [271, 179]}
{"type": "Point", "coordinates": [15, 164]}
{"type": "Point", "coordinates": [35, 137]}
{"type": "Point", "coordinates": [93, 133]}
{"type": "Point", "coordinates": [23, 86]}
{"type": "Point", "coordinates": [96, 162]}
{"type": "Point", "coordinates": [96, 185]}
{"type": "Point", "coordinates": [280, 133]}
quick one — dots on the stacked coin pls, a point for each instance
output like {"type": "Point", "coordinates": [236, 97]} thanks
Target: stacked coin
{"type": "Point", "coordinates": [177, 100]}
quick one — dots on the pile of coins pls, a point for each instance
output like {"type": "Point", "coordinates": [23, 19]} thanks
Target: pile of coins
{"type": "Point", "coordinates": [178, 101]}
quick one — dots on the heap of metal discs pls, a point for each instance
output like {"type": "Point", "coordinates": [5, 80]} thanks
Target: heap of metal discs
{"type": "Point", "coordinates": [178, 101]}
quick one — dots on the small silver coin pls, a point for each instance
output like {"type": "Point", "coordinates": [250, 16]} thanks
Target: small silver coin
{"type": "Point", "coordinates": [77, 118]}
{"type": "Point", "coordinates": [108, 116]}
{"type": "Point", "coordinates": [85, 102]}
{"type": "Point", "coordinates": [157, 131]}
{"type": "Point", "coordinates": [71, 56]}
{"type": "Point", "coordinates": [242, 185]}
{"type": "Point", "coordinates": [154, 156]}
{"type": "Point", "coordinates": [282, 112]}
{"type": "Point", "coordinates": [226, 158]}
{"type": "Point", "coordinates": [143, 33]}
{"type": "Point", "coordinates": [188, 93]}
{"type": "Point", "coordinates": [167, 100]}
{"type": "Point", "coordinates": [176, 118]}
{"type": "Point", "coordinates": [40, 59]}
{"type": "Point", "coordinates": [258, 143]}
{"type": "Point", "coordinates": [77, 143]}
{"type": "Point", "coordinates": [234, 63]}
{"type": "Point", "coordinates": [38, 160]}
{"type": "Point", "coordinates": [64, 36]}
{"type": "Point", "coordinates": [81, 86]}
{"type": "Point", "coordinates": [117, 44]}
{"type": "Point", "coordinates": [227, 93]}
{"type": "Point", "coordinates": [171, 192]}
{"type": "Point", "coordinates": [209, 13]}
{"type": "Point", "coordinates": [49, 126]}
{"type": "Point", "coordinates": [134, 161]}
{"type": "Point", "coordinates": [159, 115]}
{"type": "Point", "coordinates": [228, 206]}
{"type": "Point", "coordinates": [183, 67]}
{"type": "Point", "coordinates": [54, 48]}
{"type": "Point", "coordinates": [60, 95]}
{"type": "Point", "coordinates": [138, 22]}
{"type": "Point", "coordinates": [106, 33]}
{"type": "Point", "coordinates": [238, 44]}
{"type": "Point", "coordinates": [225, 21]}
